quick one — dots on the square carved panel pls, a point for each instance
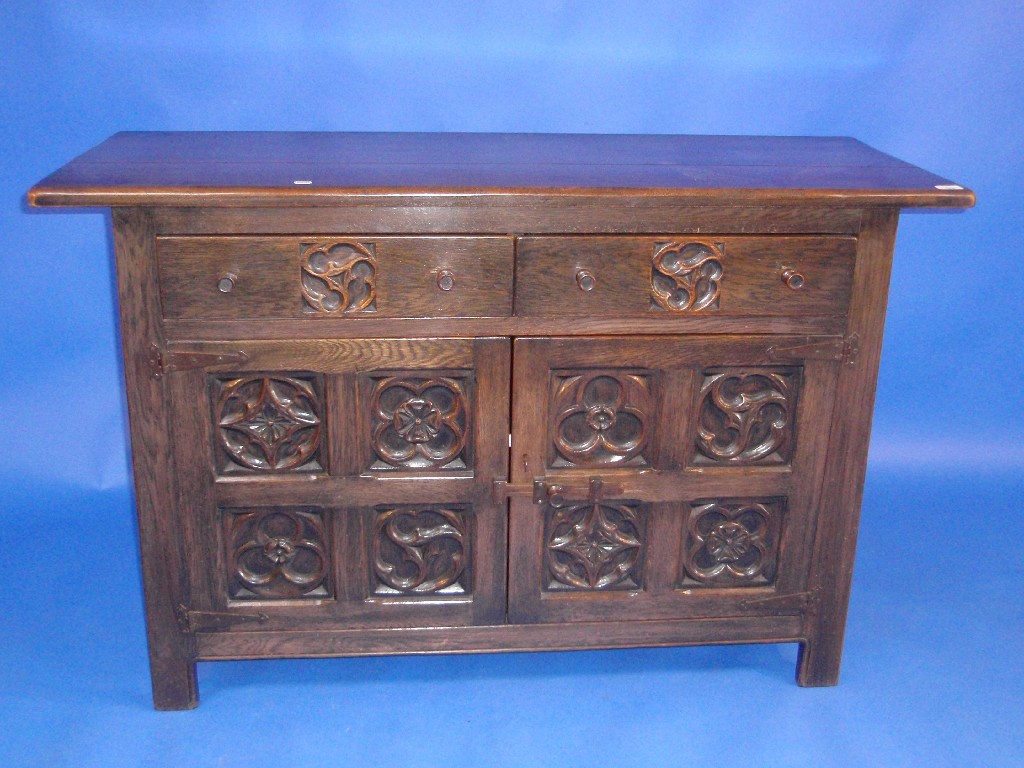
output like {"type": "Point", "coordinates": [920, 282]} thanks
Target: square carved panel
{"type": "Point", "coordinates": [338, 277]}
{"type": "Point", "coordinates": [268, 422]}
{"type": "Point", "coordinates": [595, 546]}
{"type": "Point", "coordinates": [746, 416]}
{"type": "Point", "coordinates": [277, 554]}
{"type": "Point", "coordinates": [686, 275]}
{"type": "Point", "coordinates": [421, 550]}
{"type": "Point", "coordinates": [732, 542]}
{"type": "Point", "coordinates": [601, 418]}
{"type": "Point", "coordinates": [419, 421]}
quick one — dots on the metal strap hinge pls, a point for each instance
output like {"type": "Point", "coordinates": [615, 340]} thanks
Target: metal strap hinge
{"type": "Point", "coordinates": [197, 621]}
{"type": "Point", "coordinates": [842, 349]}
{"type": "Point", "coordinates": [163, 361]}
{"type": "Point", "coordinates": [797, 601]}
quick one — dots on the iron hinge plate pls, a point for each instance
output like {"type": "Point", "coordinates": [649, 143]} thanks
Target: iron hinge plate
{"type": "Point", "coordinates": [197, 621]}
{"type": "Point", "coordinates": [162, 361]}
{"type": "Point", "coordinates": [843, 349]}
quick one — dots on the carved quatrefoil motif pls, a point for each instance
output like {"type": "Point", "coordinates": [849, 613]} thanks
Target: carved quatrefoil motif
{"type": "Point", "coordinates": [732, 542]}
{"type": "Point", "coordinates": [420, 423]}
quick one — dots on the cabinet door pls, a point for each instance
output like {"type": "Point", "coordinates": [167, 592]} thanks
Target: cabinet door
{"type": "Point", "coordinates": [676, 477]}
{"type": "Point", "coordinates": [342, 482]}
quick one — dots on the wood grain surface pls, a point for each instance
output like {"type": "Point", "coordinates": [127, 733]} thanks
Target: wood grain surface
{"type": "Point", "coordinates": [468, 392]}
{"type": "Point", "coordinates": [223, 168]}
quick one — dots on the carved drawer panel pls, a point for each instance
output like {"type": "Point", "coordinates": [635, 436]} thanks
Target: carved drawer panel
{"type": "Point", "coordinates": [687, 276]}
{"type": "Point", "coordinates": [353, 276]}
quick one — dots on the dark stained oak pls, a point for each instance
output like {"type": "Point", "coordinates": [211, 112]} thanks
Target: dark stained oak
{"type": "Point", "coordinates": [277, 277]}
{"type": "Point", "coordinates": [496, 392]}
{"type": "Point", "coordinates": [149, 168]}
{"type": "Point", "coordinates": [483, 639]}
{"type": "Point", "coordinates": [631, 276]}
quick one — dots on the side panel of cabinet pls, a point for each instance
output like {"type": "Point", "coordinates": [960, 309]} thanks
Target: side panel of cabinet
{"type": "Point", "coordinates": [683, 475]}
{"type": "Point", "coordinates": [344, 483]}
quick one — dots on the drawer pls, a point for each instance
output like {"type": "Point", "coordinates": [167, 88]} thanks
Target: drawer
{"type": "Point", "coordinates": [684, 276]}
{"type": "Point", "coordinates": [317, 276]}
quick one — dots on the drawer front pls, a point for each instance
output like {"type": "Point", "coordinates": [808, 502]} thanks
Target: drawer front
{"type": "Point", "coordinates": [668, 276]}
{"type": "Point", "coordinates": [334, 276]}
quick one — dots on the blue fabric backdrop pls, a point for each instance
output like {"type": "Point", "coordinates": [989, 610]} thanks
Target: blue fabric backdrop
{"type": "Point", "coordinates": [930, 672]}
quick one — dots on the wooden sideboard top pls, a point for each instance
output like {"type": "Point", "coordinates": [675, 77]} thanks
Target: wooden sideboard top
{"type": "Point", "coordinates": [310, 169]}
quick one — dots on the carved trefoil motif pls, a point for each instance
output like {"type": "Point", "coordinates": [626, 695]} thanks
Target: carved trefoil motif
{"type": "Point", "coordinates": [268, 423]}
{"type": "Point", "coordinates": [595, 546]}
{"type": "Point", "coordinates": [420, 422]}
{"type": "Point", "coordinates": [421, 550]}
{"type": "Point", "coordinates": [686, 276]}
{"type": "Point", "coordinates": [747, 416]}
{"type": "Point", "coordinates": [339, 277]}
{"type": "Point", "coordinates": [732, 542]}
{"type": "Point", "coordinates": [601, 418]}
{"type": "Point", "coordinates": [277, 553]}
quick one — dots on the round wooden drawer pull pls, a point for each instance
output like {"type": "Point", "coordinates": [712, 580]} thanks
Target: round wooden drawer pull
{"type": "Point", "coordinates": [445, 280]}
{"type": "Point", "coordinates": [793, 279]}
{"type": "Point", "coordinates": [586, 280]}
{"type": "Point", "coordinates": [226, 283]}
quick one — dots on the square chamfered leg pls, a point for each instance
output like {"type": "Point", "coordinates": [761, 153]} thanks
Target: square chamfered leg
{"type": "Point", "coordinates": [171, 654]}
{"type": "Point", "coordinates": [835, 538]}
{"type": "Point", "coordinates": [173, 676]}
{"type": "Point", "coordinates": [818, 661]}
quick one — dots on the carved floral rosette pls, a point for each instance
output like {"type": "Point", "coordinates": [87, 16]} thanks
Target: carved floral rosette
{"type": "Point", "coordinates": [277, 554]}
{"type": "Point", "coordinates": [421, 550]}
{"type": "Point", "coordinates": [595, 546]}
{"type": "Point", "coordinates": [269, 423]}
{"type": "Point", "coordinates": [601, 418]}
{"type": "Point", "coordinates": [746, 416]}
{"type": "Point", "coordinates": [420, 422]}
{"type": "Point", "coordinates": [733, 542]}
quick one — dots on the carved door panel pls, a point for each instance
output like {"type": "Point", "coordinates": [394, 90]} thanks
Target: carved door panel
{"type": "Point", "coordinates": [342, 482]}
{"type": "Point", "coordinates": [672, 476]}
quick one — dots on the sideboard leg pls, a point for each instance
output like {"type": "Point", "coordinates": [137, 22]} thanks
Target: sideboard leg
{"type": "Point", "coordinates": [164, 565]}
{"type": "Point", "coordinates": [817, 665]}
{"type": "Point", "coordinates": [842, 490]}
{"type": "Point", "coordinates": [174, 683]}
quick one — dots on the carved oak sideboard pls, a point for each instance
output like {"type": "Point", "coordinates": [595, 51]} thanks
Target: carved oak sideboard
{"type": "Point", "coordinates": [432, 393]}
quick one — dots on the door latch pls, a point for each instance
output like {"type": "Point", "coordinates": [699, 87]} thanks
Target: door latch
{"type": "Point", "coordinates": [556, 493]}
